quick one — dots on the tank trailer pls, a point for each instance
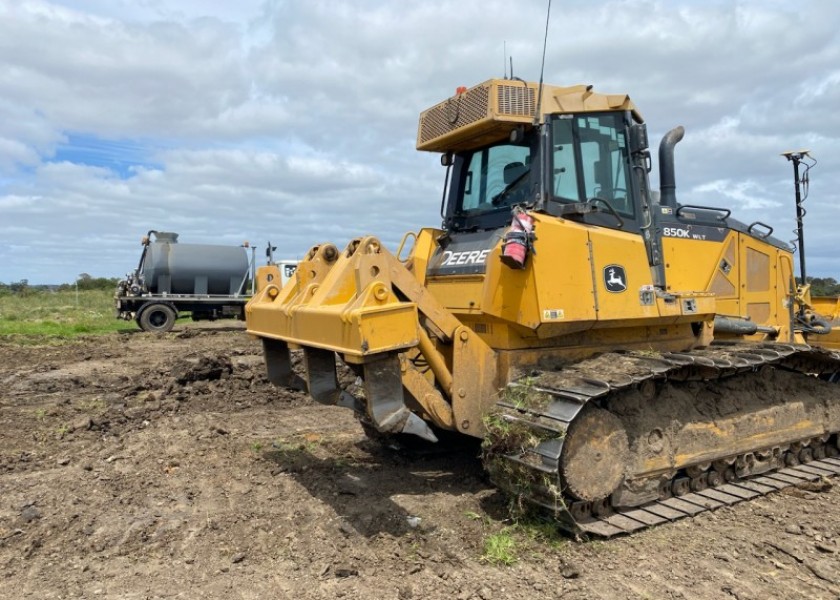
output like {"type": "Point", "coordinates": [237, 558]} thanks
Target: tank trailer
{"type": "Point", "coordinates": [208, 281]}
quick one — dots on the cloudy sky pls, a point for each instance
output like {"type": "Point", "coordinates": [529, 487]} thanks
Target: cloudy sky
{"type": "Point", "coordinates": [295, 121]}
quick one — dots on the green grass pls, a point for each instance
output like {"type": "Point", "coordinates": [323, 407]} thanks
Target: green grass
{"type": "Point", "coordinates": [61, 315]}
{"type": "Point", "coordinates": [499, 548]}
{"type": "Point", "coordinates": [306, 442]}
{"type": "Point", "coordinates": [533, 537]}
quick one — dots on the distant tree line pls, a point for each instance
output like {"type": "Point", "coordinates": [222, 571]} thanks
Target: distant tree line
{"type": "Point", "coordinates": [83, 282]}
{"type": "Point", "coordinates": [21, 287]}
{"type": "Point", "coordinates": [86, 282]}
{"type": "Point", "coordinates": [824, 286]}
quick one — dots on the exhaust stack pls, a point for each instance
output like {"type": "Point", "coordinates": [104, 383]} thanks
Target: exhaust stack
{"type": "Point", "coordinates": [667, 180]}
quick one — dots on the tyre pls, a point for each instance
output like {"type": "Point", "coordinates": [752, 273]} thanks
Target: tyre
{"type": "Point", "coordinates": [158, 318]}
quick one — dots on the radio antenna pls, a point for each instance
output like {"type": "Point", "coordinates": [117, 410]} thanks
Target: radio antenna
{"type": "Point", "coordinates": [542, 67]}
{"type": "Point", "coordinates": [504, 56]}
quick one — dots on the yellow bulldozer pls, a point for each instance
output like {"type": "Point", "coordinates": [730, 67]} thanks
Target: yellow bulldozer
{"type": "Point", "coordinates": [628, 360]}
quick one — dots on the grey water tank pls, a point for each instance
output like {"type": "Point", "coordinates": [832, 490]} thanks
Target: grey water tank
{"type": "Point", "coordinates": [173, 268]}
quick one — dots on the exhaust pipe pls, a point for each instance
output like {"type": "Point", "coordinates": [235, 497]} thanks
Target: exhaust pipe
{"type": "Point", "coordinates": [741, 326]}
{"type": "Point", "coordinates": [667, 180]}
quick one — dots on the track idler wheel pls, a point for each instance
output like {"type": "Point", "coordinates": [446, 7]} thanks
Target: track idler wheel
{"type": "Point", "coordinates": [595, 454]}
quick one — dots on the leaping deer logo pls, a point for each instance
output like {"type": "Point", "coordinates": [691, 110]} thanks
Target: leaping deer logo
{"type": "Point", "coordinates": [615, 278]}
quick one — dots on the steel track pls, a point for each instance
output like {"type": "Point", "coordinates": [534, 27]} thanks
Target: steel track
{"type": "Point", "coordinates": [672, 509]}
{"type": "Point", "coordinates": [572, 388]}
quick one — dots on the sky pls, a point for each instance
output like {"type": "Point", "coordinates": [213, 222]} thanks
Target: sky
{"type": "Point", "coordinates": [295, 122]}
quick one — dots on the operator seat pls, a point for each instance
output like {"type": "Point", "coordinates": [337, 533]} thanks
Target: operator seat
{"type": "Point", "coordinates": [516, 188]}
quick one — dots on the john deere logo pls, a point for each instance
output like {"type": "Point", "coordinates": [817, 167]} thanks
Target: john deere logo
{"type": "Point", "coordinates": [615, 279]}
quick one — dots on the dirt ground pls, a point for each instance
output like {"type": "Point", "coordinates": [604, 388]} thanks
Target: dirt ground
{"type": "Point", "coordinates": [166, 466]}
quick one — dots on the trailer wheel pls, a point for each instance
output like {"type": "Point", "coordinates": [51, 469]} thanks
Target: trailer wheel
{"type": "Point", "coordinates": [158, 318]}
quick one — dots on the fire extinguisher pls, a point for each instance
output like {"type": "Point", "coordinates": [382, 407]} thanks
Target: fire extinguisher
{"type": "Point", "coordinates": [518, 239]}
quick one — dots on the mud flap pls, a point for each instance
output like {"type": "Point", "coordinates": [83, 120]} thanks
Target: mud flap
{"type": "Point", "coordinates": [385, 402]}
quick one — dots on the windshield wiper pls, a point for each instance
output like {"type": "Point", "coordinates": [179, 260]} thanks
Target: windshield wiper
{"type": "Point", "coordinates": [497, 199]}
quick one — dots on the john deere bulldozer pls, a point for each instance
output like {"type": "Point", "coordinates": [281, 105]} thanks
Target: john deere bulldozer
{"type": "Point", "coordinates": [628, 360]}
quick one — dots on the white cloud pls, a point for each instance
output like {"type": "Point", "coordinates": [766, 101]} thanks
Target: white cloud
{"type": "Point", "coordinates": [107, 77]}
{"type": "Point", "coordinates": [295, 121]}
{"type": "Point", "coordinates": [745, 194]}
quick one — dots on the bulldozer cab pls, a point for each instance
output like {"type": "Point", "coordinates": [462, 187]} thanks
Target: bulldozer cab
{"type": "Point", "coordinates": [578, 166]}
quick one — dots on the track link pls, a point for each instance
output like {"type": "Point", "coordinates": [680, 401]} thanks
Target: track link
{"type": "Point", "coordinates": [628, 520]}
{"type": "Point", "coordinates": [524, 451]}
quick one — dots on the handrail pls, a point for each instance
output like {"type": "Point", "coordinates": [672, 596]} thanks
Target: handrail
{"type": "Point", "coordinates": [760, 224]}
{"type": "Point", "coordinates": [711, 208]}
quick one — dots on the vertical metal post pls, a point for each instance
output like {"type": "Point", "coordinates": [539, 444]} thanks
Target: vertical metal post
{"type": "Point", "coordinates": [253, 269]}
{"type": "Point", "coordinates": [796, 158]}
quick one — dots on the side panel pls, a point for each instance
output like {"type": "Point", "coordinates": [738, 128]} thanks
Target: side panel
{"type": "Point", "coordinates": [556, 284]}
{"type": "Point", "coordinates": [766, 280]}
{"type": "Point", "coordinates": [749, 277]}
{"type": "Point", "coordinates": [709, 264]}
{"type": "Point", "coordinates": [461, 295]}
{"type": "Point", "coordinates": [620, 272]}
{"type": "Point", "coordinates": [758, 282]}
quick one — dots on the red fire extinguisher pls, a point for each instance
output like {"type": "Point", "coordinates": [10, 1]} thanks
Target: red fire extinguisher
{"type": "Point", "coordinates": [518, 240]}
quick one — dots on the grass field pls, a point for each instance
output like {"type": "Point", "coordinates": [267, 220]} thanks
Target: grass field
{"type": "Point", "coordinates": [57, 315]}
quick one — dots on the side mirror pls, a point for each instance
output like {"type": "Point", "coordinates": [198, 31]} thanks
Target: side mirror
{"type": "Point", "coordinates": [638, 138]}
